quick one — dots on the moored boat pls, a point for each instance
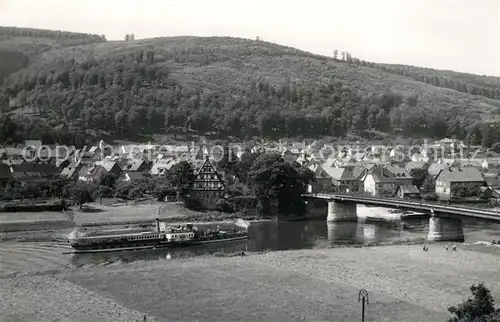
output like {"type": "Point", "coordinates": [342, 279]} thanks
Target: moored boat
{"type": "Point", "coordinates": [163, 236]}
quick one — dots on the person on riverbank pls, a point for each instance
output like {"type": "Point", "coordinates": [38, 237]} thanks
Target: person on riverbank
{"type": "Point", "coordinates": [454, 248]}
{"type": "Point", "coordinates": [446, 247]}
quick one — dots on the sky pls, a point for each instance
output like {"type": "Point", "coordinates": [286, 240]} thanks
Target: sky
{"type": "Point", "coordinates": [461, 35]}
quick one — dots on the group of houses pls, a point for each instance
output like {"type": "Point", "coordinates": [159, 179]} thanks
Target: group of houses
{"type": "Point", "coordinates": [372, 171]}
{"type": "Point", "coordinates": [390, 176]}
{"type": "Point", "coordinates": [34, 162]}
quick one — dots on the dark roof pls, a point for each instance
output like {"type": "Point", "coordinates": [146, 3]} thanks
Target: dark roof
{"type": "Point", "coordinates": [135, 175]}
{"type": "Point", "coordinates": [358, 172]}
{"type": "Point", "coordinates": [94, 172]}
{"type": "Point", "coordinates": [43, 169]}
{"type": "Point", "coordinates": [47, 169]}
{"type": "Point", "coordinates": [136, 165]}
{"type": "Point", "coordinates": [467, 174]}
{"type": "Point", "coordinates": [398, 172]}
{"type": "Point", "coordinates": [70, 170]}
{"type": "Point", "coordinates": [382, 175]}
{"type": "Point", "coordinates": [409, 189]}
{"type": "Point", "coordinates": [5, 171]}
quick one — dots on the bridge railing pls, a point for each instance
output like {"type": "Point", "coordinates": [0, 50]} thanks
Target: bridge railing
{"type": "Point", "coordinates": [403, 202]}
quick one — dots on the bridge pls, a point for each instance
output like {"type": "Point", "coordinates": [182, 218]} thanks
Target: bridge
{"type": "Point", "coordinates": [445, 222]}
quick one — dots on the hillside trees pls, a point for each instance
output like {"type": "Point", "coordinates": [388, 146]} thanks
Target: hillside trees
{"type": "Point", "coordinates": [466, 83]}
{"type": "Point", "coordinates": [51, 34]}
{"type": "Point", "coordinates": [135, 92]}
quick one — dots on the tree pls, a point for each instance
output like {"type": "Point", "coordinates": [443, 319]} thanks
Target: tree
{"type": "Point", "coordinates": [335, 54]}
{"type": "Point", "coordinates": [429, 184]}
{"type": "Point", "coordinates": [273, 179]}
{"type": "Point", "coordinates": [135, 193]}
{"type": "Point", "coordinates": [228, 165]}
{"type": "Point", "coordinates": [419, 176]}
{"type": "Point", "coordinates": [161, 192]}
{"type": "Point", "coordinates": [81, 194]}
{"type": "Point", "coordinates": [103, 192]}
{"type": "Point", "coordinates": [181, 174]}
{"type": "Point", "coordinates": [31, 190]}
{"type": "Point", "coordinates": [479, 308]}
{"type": "Point", "coordinates": [122, 190]}
{"type": "Point", "coordinates": [224, 206]}
{"type": "Point", "coordinates": [247, 159]}
{"type": "Point", "coordinates": [108, 180]}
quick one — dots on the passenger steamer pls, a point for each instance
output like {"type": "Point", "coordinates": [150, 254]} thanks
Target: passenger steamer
{"type": "Point", "coordinates": [163, 236]}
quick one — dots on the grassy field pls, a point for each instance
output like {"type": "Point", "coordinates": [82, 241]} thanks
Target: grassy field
{"type": "Point", "coordinates": [146, 213]}
{"type": "Point", "coordinates": [50, 225]}
{"type": "Point", "coordinates": [404, 284]}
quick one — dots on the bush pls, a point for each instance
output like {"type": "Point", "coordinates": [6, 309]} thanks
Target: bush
{"type": "Point", "coordinates": [192, 203]}
{"type": "Point", "coordinates": [224, 206]}
{"type": "Point", "coordinates": [430, 196]}
{"type": "Point", "coordinates": [245, 204]}
{"type": "Point", "coordinates": [161, 192]}
{"type": "Point", "coordinates": [479, 308]}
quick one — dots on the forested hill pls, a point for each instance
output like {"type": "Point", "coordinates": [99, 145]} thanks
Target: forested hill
{"type": "Point", "coordinates": [18, 45]}
{"type": "Point", "coordinates": [487, 86]}
{"type": "Point", "coordinates": [226, 87]}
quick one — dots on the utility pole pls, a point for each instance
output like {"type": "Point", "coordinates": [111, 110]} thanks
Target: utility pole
{"type": "Point", "coordinates": [363, 297]}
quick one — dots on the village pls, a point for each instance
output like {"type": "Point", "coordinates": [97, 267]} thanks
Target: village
{"type": "Point", "coordinates": [445, 170]}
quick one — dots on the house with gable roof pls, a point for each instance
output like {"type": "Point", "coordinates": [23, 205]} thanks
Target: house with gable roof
{"type": "Point", "coordinates": [71, 171]}
{"type": "Point", "coordinates": [401, 175]}
{"type": "Point", "coordinates": [111, 166]}
{"type": "Point", "coordinates": [344, 179]}
{"type": "Point", "coordinates": [379, 181]}
{"type": "Point", "coordinates": [451, 181]}
{"type": "Point", "coordinates": [208, 186]}
{"type": "Point", "coordinates": [136, 165]}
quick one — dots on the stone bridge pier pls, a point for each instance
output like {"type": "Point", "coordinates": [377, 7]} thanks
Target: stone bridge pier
{"type": "Point", "coordinates": [445, 228]}
{"type": "Point", "coordinates": [341, 211]}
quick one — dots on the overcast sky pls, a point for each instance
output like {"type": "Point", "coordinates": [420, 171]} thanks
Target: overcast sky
{"type": "Point", "coordinates": [462, 35]}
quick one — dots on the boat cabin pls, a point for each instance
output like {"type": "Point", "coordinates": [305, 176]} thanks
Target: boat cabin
{"type": "Point", "coordinates": [176, 236]}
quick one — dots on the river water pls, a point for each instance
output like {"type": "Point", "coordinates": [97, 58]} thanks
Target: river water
{"type": "Point", "coordinates": [263, 236]}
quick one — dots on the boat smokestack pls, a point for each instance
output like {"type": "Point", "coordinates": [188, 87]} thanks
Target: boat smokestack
{"type": "Point", "coordinates": [157, 225]}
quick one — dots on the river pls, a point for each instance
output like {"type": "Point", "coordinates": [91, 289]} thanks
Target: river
{"type": "Point", "coordinates": [263, 236]}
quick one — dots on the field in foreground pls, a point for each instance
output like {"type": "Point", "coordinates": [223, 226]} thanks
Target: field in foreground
{"type": "Point", "coordinates": [404, 283]}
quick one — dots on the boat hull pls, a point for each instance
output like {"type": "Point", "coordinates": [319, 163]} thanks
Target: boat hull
{"type": "Point", "coordinates": [150, 244]}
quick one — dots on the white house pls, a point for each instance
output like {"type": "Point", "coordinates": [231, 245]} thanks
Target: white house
{"type": "Point", "coordinates": [379, 182]}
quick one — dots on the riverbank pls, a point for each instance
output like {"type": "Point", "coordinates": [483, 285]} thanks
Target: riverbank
{"type": "Point", "coordinates": [96, 215]}
{"type": "Point", "coordinates": [404, 284]}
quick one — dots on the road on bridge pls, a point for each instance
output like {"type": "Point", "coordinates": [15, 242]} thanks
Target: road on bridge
{"type": "Point", "coordinates": [410, 205]}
